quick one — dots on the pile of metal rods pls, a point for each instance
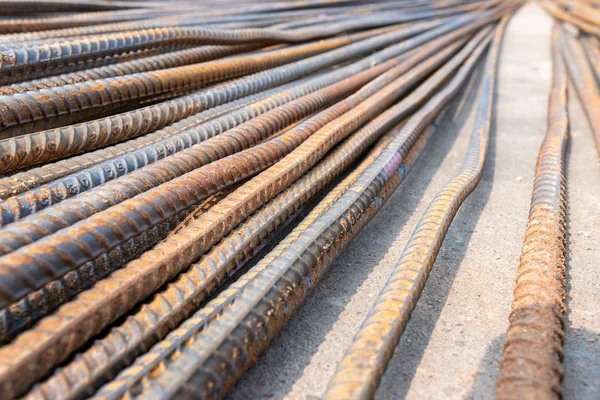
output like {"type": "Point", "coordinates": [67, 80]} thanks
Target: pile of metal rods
{"type": "Point", "coordinates": [151, 153]}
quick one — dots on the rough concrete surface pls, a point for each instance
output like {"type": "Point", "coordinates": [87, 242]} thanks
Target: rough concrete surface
{"type": "Point", "coordinates": [452, 345]}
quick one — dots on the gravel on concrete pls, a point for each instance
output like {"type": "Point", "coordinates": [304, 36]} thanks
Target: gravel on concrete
{"type": "Point", "coordinates": [452, 345]}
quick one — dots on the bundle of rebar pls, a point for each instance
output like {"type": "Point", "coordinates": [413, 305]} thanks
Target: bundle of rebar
{"type": "Point", "coordinates": [176, 177]}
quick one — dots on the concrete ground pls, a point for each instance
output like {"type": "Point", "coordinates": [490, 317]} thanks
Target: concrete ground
{"type": "Point", "coordinates": [452, 346]}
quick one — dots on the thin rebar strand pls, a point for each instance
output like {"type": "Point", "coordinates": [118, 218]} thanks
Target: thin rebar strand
{"type": "Point", "coordinates": [10, 28]}
{"type": "Point", "coordinates": [593, 52]}
{"type": "Point", "coordinates": [366, 359]}
{"type": "Point", "coordinates": [584, 81]}
{"type": "Point", "coordinates": [558, 13]}
{"type": "Point", "coordinates": [13, 6]}
{"type": "Point", "coordinates": [533, 352]}
{"type": "Point", "coordinates": [153, 278]}
{"type": "Point", "coordinates": [148, 376]}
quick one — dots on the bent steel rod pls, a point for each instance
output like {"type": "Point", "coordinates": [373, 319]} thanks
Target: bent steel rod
{"type": "Point", "coordinates": [181, 362]}
{"type": "Point", "coordinates": [533, 351]}
{"type": "Point", "coordinates": [366, 359]}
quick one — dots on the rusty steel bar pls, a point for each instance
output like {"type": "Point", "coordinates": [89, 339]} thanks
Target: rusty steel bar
{"type": "Point", "coordinates": [591, 46]}
{"type": "Point", "coordinates": [169, 60]}
{"type": "Point", "coordinates": [148, 281]}
{"type": "Point", "coordinates": [584, 81]}
{"type": "Point", "coordinates": [25, 6]}
{"type": "Point", "coordinates": [562, 15]}
{"type": "Point", "coordinates": [302, 279]}
{"type": "Point", "coordinates": [9, 28]}
{"type": "Point", "coordinates": [533, 352]}
{"type": "Point", "coordinates": [366, 359]}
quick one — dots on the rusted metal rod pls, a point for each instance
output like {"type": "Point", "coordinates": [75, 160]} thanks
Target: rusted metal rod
{"type": "Point", "coordinates": [533, 351]}
{"type": "Point", "coordinates": [366, 359]}
{"type": "Point", "coordinates": [289, 287]}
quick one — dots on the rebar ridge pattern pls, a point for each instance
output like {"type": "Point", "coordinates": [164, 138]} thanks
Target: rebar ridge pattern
{"type": "Point", "coordinates": [533, 352]}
